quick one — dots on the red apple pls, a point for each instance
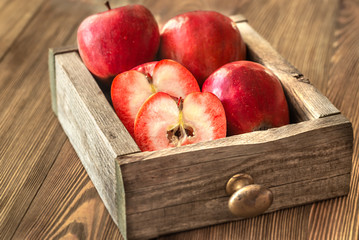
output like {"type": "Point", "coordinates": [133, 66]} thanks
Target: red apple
{"type": "Point", "coordinates": [117, 40]}
{"type": "Point", "coordinates": [202, 41]}
{"type": "Point", "coordinates": [251, 94]}
{"type": "Point", "coordinates": [164, 122]}
{"type": "Point", "coordinates": [130, 89]}
{"type": "Point", "coordinates": [146, 68]}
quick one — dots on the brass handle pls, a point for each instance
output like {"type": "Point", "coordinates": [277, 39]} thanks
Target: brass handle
{"type": "Point", "coordinates": [247, 199]}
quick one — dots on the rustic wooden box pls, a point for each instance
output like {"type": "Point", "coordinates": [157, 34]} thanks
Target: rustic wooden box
{"type": "Point", "coordinates": [154, 193]}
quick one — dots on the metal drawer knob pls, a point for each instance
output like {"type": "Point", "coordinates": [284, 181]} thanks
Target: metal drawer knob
{"type": "Point", "coordinates": [247, 199]}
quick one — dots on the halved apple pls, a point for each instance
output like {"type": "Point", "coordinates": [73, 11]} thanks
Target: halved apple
{"type": "Point", "coordinates": [164, 121]}
{"type": "Point", "coordinates": [130, 89]}
{"type": "Point", "coordinates": [146, 68]}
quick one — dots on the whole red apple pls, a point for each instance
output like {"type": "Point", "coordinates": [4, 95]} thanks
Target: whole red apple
{"type": "Point", "coordinates": [202, 41]}
{"type": "Point", "coordinates": [117, 40]}
{"type": "Point", "coordinates": [164, 122]}
{"type": "Point", "coordinates": [130, 89]}
{"type": "Point", "coordinates": [251, 94]}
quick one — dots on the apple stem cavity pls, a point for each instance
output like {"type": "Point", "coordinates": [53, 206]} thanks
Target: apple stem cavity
{"type": "Point", "coordinates": [149, 78]}
{"type": "Point", "coordinates": [150, 81]}
{"type": "Point", "coordinates": [107, 4]}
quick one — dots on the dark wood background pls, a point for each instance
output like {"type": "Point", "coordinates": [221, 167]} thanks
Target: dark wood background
{"type": "Point", "coordinates": [45, 192]}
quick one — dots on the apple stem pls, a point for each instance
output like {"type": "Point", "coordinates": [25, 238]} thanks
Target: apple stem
{"type": "Point", "coordinates": [149, 78]}
{"type": "Point", "coordinates": [107, 4]}
{"type": "Point", "coordinates": [180, 103]}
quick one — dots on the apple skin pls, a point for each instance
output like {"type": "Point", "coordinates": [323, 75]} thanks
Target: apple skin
{"type": "Point", "coordinates": [146, 68]}
{"type": "Point", "coordinates": [200, 114]}
{"type": "Point", "coordinates": [130, 89]}
{"type": "Point", "coordinates": [252, 97]}
{"type": "Point", "coordinates": [117, 40]}
{"type": "Point", "coordinates": [202, 41]}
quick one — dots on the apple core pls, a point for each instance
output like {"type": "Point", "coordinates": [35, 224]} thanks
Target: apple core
{"type": "Point", "coordinates": [177, 134]}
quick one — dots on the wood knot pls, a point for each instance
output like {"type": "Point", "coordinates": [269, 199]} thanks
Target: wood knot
{"type": "Point", "coordinates": [300, 77]}
{"type": "Point", "coordinates": [112, 136]}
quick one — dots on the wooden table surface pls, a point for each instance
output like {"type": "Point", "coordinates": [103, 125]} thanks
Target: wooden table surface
{"type": "Point", "coordinates": [45, 193]}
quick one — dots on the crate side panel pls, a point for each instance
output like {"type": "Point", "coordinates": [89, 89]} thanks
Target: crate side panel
{"type": "Point", "coordinates": [90, 126]}
{"type": "Point", "coordinates": [107, 122]}
{"type": "Point", "coordinates": [306, 101]}
{"type": "Point", "coordinates": [307, 152]}
{"type": "Point", "coordinates": [198, 214]}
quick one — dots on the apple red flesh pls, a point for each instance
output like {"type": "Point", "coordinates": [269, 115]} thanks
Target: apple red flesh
{"type": "Point", "coordinates": [202, 41]}
{"type": "Point", "coordinates": [130, 89]}
{"type": "Point", "coordinates": [251, 94]}
{"type": "Point", "coordinates": [117, 40]}
{"type": "Point", "coordinates": [164, 122]}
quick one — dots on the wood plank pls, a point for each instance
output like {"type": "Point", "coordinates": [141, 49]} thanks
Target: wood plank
{"type": "Point", "coordinates": [92, 127]}
{"type": "Point", "coordinates": [164, 10]}
{"type": "Point", "coordinates": [173, 181]}
{"type": "Point", "coordinates": [202, 213]}
{"type": "Point", "coordinates": [31, 136]}
{"type": "Point", "coordinates": [301, 31]}
{"type": "Point", "coordinates": [268, 226]}
{"type": "Point", "coordinates": [14, 17]}
{"type": "Point", "coordinates": [338, 218]}
{"type": "Point", "coordinates": [72, 73]}
{"type": "Point", "coordinates": [72, 211]}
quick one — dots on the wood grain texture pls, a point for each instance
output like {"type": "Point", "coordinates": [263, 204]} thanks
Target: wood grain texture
{"type": "Point", "coordinates": [67, 213]}
{"type": "Point", "coordinates": [72, 73]}
{"type": "Point", "coordinates": [14, 18]}
{"type": "Point", "coordinates": [31, 137]}
{"type": "Point", "coordinates": [301, 31]}
{"type": "Point", "coordinates": [181, 188]}
{"type": "Point", "coordinates": [203, 213]}
{"type": "Point", "coordinates": [164, 10]}
{"type": "Point", "coordinates": [338, 218]}
{"type": "Point", "coordinates": [52, 71]}
{"type": "Point", "coordinates": [92, 127]}
{"type": "Point", "coordinates": [268, 226]}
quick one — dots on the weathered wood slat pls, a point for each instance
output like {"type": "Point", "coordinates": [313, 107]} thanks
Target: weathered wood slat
{"type": "Point", "coordinates": [52, 72]}
{"type": "Point", "coordinates": [92, 127]}
{"type": "Point", "coordinates": [203, 213]}
{"type": "Point", "coordinates": [70, 67]}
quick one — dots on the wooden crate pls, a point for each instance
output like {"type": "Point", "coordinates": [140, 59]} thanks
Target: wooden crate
{"type": "Point", "coordinates": [154, 193]}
